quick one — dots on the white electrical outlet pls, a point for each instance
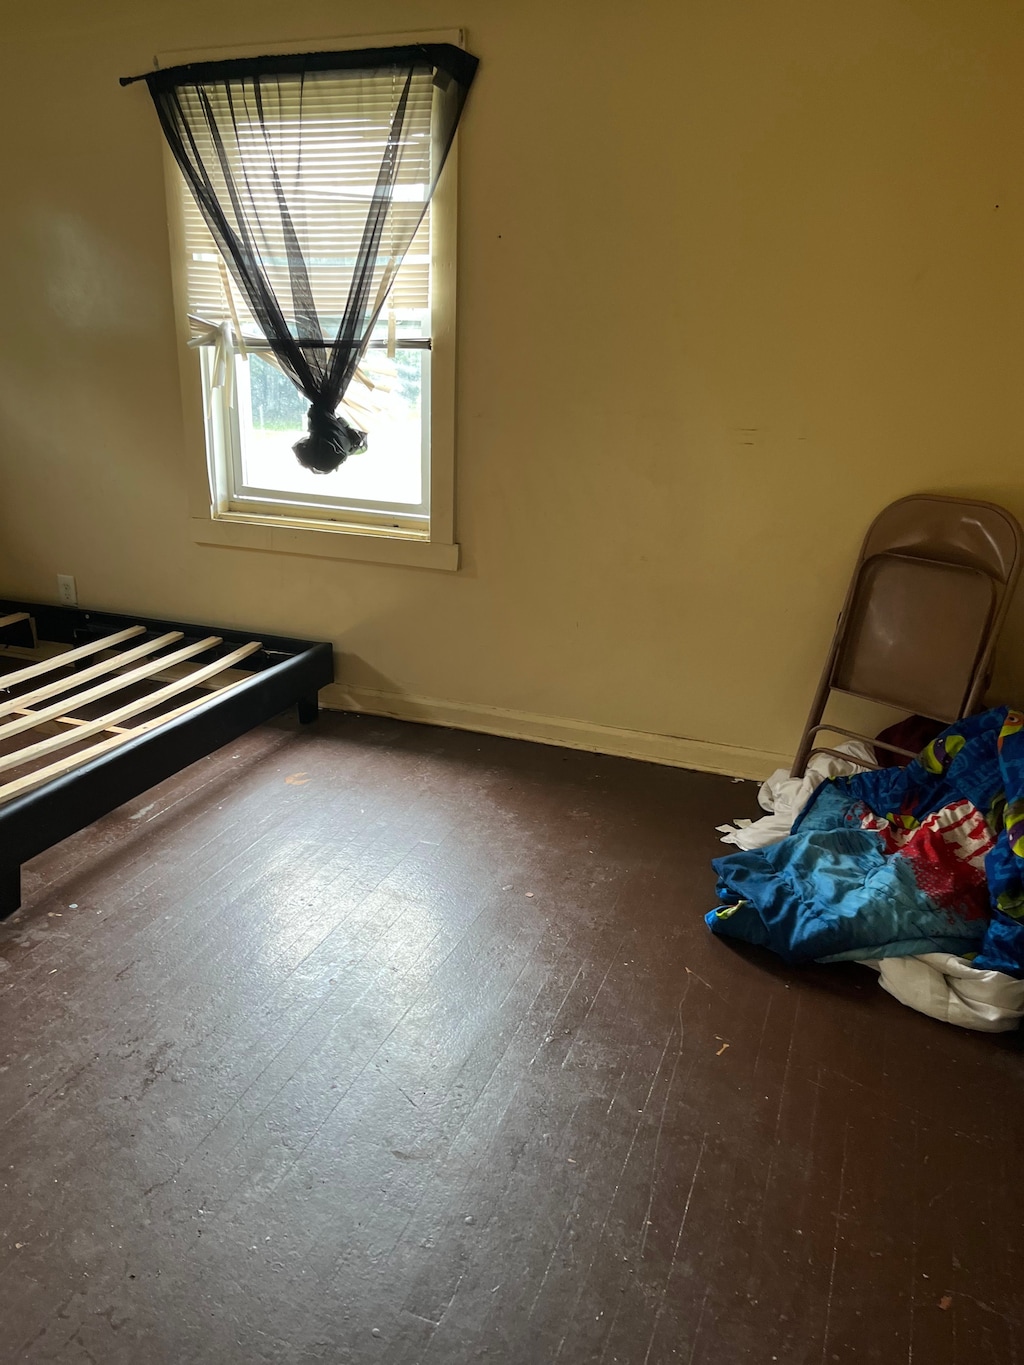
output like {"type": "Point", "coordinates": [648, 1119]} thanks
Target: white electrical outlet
{"type": "Point", "coordinates": [67, 593]}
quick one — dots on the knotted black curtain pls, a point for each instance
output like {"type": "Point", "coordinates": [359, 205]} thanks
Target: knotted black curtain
{"type": "Point", "coordinates": [250, 134]}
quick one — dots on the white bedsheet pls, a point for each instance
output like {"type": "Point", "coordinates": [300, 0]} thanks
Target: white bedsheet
{"type": "Point", "coordinates": [784, 797]}
{"type": "Point", "coordinates": [950, 989]}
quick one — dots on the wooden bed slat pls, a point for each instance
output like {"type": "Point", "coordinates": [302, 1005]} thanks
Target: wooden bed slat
{"type": "Point", "coordinates": [26, 699]}
{"type": "Point", "coordinates": [69, 656]}
{"type": "Point", "coordinates": [74, 720]}
{"type": "Point", "coordinates": [65, 765]}
{"type": "Point", "coordinates": [92, 694]}
{"type": "Point", "coordinates": [132, 708]}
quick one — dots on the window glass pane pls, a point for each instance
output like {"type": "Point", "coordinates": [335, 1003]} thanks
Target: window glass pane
{"type": "Point", "coordinates": [272, 417]}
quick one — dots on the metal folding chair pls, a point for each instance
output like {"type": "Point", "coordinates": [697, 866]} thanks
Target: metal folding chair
{"type": "Point", "coordinates": [919, 625]}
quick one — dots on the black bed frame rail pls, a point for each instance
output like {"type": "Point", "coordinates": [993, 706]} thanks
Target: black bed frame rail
{"type": "Point", "coordinates": [286, 672]}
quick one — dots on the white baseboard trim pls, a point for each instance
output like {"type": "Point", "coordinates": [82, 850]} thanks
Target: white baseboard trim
{"type": "Point", "coordinates": [674, 750]}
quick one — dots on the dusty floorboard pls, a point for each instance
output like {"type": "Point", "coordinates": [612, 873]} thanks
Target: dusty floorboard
{"type": "Point", "coordinates": [375, 1042]}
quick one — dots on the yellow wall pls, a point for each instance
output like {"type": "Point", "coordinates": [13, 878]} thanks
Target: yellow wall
{"type": "Point", "coordinates": [733, 274]}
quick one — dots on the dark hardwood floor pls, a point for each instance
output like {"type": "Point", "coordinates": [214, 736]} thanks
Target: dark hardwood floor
{"type": "Point", "coordinates": [375, 1042]}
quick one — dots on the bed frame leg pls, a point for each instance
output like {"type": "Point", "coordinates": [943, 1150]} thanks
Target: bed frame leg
{"type": "Point", "coordinates": [309, 709]}
{"type": "Point", "coordinates": [10, 890]}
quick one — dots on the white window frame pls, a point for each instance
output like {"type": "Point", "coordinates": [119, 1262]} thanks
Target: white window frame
{"type": "Point", "coordinates": [225, 424]}
{"type": "Point", "coordinates": [292, 525]}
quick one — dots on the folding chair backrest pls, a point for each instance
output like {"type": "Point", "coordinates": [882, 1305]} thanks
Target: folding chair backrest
{"type": "Point", "coordinates": [918, 628]}
{"type": "Point", "coordinates": [977, 535]}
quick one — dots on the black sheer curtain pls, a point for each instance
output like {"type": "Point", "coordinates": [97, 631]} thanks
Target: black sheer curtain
{"type": "Point", "coordinates": [271, 148]}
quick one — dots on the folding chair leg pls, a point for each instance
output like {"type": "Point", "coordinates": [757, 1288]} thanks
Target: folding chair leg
{"type": "Point", "coordinates": [806, 744]}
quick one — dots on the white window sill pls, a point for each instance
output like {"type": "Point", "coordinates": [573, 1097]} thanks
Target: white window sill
{"type": "Point", "coordinates": [277, 535]}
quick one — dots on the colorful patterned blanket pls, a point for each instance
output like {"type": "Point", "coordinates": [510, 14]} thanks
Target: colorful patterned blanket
{"type": "Point", "coordinates": [923, 859]}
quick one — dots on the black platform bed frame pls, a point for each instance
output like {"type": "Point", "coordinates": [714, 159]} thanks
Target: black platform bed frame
{"type": "Point", "coordinates": [282, 672]}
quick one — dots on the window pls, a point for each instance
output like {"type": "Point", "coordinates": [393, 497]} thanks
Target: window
{"type": "Point", "coordinates": [256, 415]}
{"type": "Point", "coordinates": [400, 489]}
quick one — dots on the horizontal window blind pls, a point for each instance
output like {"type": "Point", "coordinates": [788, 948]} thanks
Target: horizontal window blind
{"type": "Point", "coordinates": [328, 174]}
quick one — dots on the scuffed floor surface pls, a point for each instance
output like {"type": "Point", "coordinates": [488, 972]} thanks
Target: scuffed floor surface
{"type": "Point", "coordinates": [374, 1042]}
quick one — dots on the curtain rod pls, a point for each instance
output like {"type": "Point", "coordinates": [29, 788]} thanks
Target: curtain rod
{"type": "Point", "coordinates": [455, 61]}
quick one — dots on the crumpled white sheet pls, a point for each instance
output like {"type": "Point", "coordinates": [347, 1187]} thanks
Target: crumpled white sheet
{"type": "Point", "coordinates": [950, 989]}
{"type": "Point", "coordinates": [784, 797]}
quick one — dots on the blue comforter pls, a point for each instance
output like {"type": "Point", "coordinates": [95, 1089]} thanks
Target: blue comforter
{"type": "Point", "coordinates": [928, 858]}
